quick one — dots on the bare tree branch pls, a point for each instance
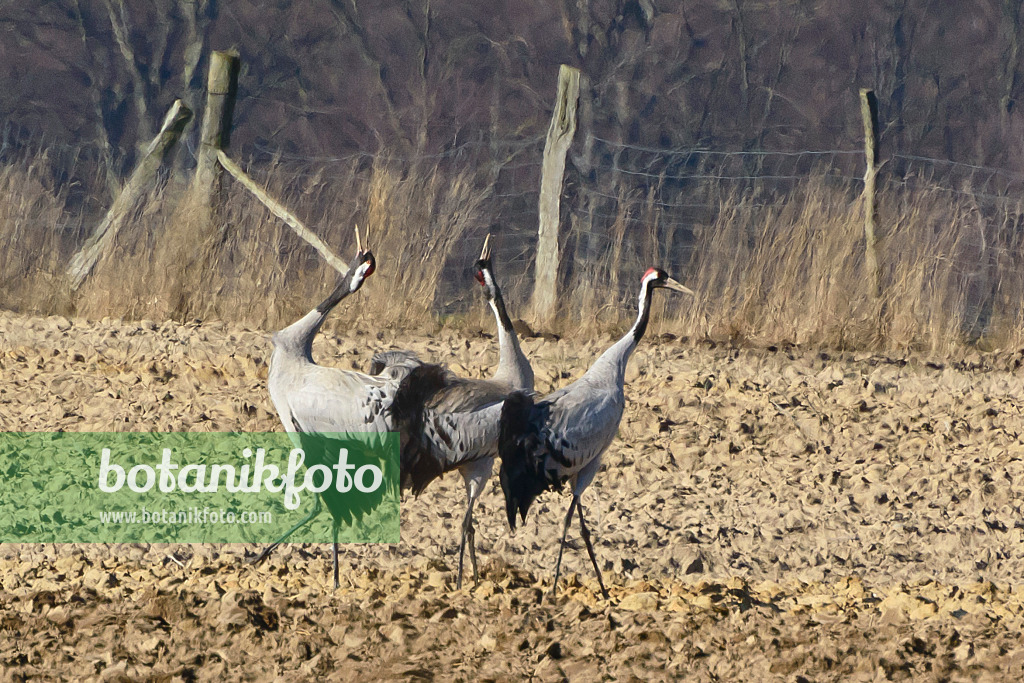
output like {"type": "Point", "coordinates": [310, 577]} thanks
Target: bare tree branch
{"type": "Point", "coordinates": [119, 22]}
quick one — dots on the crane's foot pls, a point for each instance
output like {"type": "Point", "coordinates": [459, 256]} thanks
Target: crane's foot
{"type": "Point", "coordinates": [265, 554]}
{"type": "Point", "coordinates": [273, 546]}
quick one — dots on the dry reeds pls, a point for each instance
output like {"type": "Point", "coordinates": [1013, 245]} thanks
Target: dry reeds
{"type": "Point", "coordinates": [250, 267]}
{"type": "Point", "coordinates": [794, 271]}
{"type": "Point", "coordinates": [767, 267]}
{"type": "Point", "coordinates": [36, 237]}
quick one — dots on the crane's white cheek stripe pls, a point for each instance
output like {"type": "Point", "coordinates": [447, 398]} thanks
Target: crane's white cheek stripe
{"type": "Point", "coordinates": [360, 275]}
{"type": "Point", "coordinates": [645, 288]}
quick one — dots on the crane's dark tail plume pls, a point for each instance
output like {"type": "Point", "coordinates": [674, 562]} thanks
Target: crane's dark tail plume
{"type": "Point", "coordinates": [521, 447]}
{"type": "Point", "coordinates": [407, 408]}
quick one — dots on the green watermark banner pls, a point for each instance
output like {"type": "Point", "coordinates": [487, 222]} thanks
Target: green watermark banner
{"type": "Point", "coordinates": [178, 487]}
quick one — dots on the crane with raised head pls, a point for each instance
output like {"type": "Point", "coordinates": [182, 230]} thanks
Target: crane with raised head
{"type": "Point", "coordinates": [544, 443]}
{"type": "Point", "coordinates": [314, 399]}
{"type": "Point", "coordinates": [452, 422]}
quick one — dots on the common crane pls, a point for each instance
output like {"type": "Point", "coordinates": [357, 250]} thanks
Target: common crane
{"type": "Point", "coordinates": [452, 422]}
{"type": "Point", "coordinates": [313, 399]}
{"type": "Point", "coordinates": [561, 438]}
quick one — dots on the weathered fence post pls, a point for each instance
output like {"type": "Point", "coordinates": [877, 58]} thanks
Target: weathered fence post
{"type": "Point", "coordinates": [869, 113]}
{"type": "Point", "coordinates": [154, 154]}
{"type": "Point", "coordinates": [221, 86]}
{"type": "Point", "coordinates": [560, 134]}
{"type": "Point", "coordinates": [284, 214]}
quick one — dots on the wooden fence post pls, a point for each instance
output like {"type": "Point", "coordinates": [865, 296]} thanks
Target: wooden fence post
{"type": "Point", "coordinates": [154, 154]}
{"type": "Point", "coordinates": [284, 214]}
{"type": "Point", "coordinates": [560, 134]}
{"type": "Point", "coordinates": [221, 87]}
{"type": "Point", "coordinates": [869, 113]}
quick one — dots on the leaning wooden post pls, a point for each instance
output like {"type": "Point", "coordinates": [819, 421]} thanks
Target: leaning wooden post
{"type": "Point", "coordinates": [102, 238]}
{"type": "Point", "coordinates": [869, 113]}
{"type": "Point", "coordinates": [221, 87]}
{"type": "Point", "coordinates": [284, 214]}
{"type": "Point", "coordinates": [560, 134]}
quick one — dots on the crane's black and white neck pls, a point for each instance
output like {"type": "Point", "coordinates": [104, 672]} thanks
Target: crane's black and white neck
{"type": "Point", "coordinates": [513, 366]}
{"type": "Point", "coordinates": [296, 340]}
{"type": "Point", "coordinates": [614, 360]}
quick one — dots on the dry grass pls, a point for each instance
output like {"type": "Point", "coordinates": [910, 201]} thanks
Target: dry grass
{"type": "Point", "coordinates": [34, 239]}
{"type": "Point", "coordinates": [788, 269]}
{"type": "Point", "coordinates": [794, 271]}
{"type": "Point", "coordinates": [169, 262]}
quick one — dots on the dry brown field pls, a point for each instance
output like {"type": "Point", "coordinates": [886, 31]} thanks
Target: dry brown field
{"type": "Point", "coordinates": [770, 513]}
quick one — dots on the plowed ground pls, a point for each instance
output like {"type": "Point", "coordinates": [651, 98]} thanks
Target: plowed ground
{"type": "Point", "coordinates": [766, 514]}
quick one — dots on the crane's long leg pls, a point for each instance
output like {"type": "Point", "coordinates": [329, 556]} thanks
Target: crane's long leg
{"type": "Point", "coordinates": [468, 536]}
{"type": "Point", "coordinates": [472, 552]}
{"type": "Point", "coordinates": [561, 546]}
{"type": "Point", "coordinates": [334, 529]}
{"type": "Point", "coordinates": [273, 546]}
{"type": "Point", "coordinates": [467, 532]}
{"type": "Point", "coordinates": [590, 550]}
{"type": "Point", "coordinates": [475, 475]}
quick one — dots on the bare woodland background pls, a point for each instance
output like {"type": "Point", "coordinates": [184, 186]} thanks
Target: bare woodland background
{"type": "Point", "coordinates": [721, 140]}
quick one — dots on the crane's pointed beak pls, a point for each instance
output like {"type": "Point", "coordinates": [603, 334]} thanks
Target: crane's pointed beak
{"type": "Point", "coordinates": [359, 243]}
{"type": "Point", "coordinates": [485, 253]}
{"type": "Point", "coordinates": [677, 287]}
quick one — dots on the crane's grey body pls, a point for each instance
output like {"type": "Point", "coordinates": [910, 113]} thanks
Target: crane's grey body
{"type": "Point", "coordinates": [581, 420]}
{"type": "Point", "coordinates": [462, 421]}
{"type": "Point", "coordinates": [562, 437]}
{"type": "Point", "coordinates": [313, 398]}
{"type": "Point", "coordinates": [457, 430]}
